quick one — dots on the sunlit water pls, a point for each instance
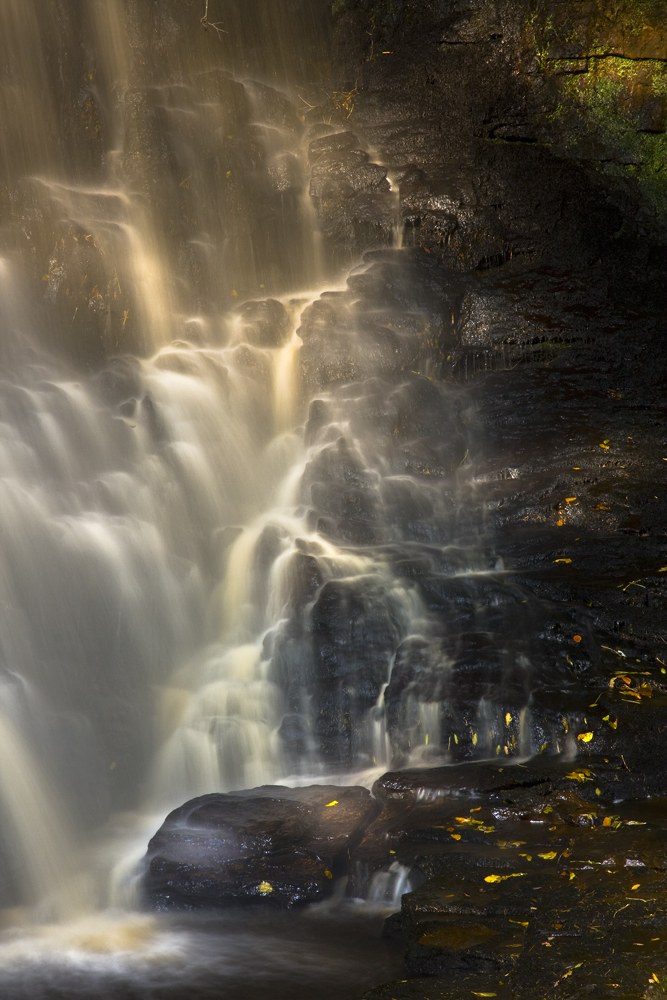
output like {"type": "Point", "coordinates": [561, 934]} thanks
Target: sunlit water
{"type": "Point", "coordinates": [161, 455]}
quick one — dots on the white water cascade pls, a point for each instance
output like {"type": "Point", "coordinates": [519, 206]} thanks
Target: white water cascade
{"type": "Point", "coordinates": [224, 459]}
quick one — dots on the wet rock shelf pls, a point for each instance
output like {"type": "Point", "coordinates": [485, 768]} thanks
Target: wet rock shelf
{"type": "Point", "coordinates": [545, 877]}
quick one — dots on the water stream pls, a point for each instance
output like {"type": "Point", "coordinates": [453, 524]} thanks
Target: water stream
{"type": "Point", "coordinates": [219, 458]}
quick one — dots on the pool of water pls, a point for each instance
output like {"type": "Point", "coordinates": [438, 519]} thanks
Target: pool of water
{"type": "Point", "coordinates": [334, 951]}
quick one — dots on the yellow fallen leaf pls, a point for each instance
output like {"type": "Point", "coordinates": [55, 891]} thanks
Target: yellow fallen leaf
{"type": "Point", "coordinates": [605, 446]}
{"type": "Point", "coordinates": [585, 737]}
{"type": "Point", "coordinates": [508, 719]}
{"type": "Point", "coordinates": [484, 994]}
{"type": "Point", "coordinates": [330, 874]}
{"type": "Point", "coordinates": [581, 774]}
{"type": "Point", "coordinates": [265, 888]}
{"type": "Point", "coordinates": [635, 886]}
{"type": "Point", "coordinates": [570, 499]}
{"type": "Point", "coordinates": [523, 923]}
{"type": "Point", "coordinates": [455, 836]}
{"type": "Point", "coordinates": [329, 804]}
{"type": "Point", "coordinates": [563, 560]}
{"type": "Point", "coordinates": [548, 855]}
{"type": "Point", "coordinates": [462, 819]}
{"type": "Point", "coordinates": [663, 569]}
{"type": "Point", "coordinates": [572, 875]}
{"type": "Point", "coordinates": [501, 878]}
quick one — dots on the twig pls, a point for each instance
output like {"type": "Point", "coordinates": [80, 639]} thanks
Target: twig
{"type": "Point", "coordinates": [206, 24]}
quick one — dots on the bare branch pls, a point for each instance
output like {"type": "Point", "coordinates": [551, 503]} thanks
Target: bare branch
{"type": "Point", "coordinates": [216, 25]}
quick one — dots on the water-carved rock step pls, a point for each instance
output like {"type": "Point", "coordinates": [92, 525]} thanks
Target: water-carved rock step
{"type": "Point", "coordinates": [533, 879]}
{"type": "Point", "coordinates": [543, 879]}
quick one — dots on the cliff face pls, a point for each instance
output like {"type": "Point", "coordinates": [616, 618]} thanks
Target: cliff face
{"type": "Point", "coordinates": [553, 113]}
{"type": "Point", "coordinates": [516, 150]}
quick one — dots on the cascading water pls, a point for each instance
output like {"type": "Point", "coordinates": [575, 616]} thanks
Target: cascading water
{"type": "Point", "coordinates": [215, 503]}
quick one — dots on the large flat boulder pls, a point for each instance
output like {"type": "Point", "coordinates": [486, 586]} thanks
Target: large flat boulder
{"type": "Point", "coordinates": [270, 844]}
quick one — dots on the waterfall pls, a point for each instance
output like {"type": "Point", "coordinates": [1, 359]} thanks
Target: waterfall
{"type": "Point", "coordinates": [226, 455]}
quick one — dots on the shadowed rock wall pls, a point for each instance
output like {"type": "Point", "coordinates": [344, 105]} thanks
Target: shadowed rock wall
{"type": "Point", "coordinates": [531, 128]}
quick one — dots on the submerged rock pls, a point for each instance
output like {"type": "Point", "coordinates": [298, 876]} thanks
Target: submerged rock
{"type": "Point", "coordinates": [284, 845]}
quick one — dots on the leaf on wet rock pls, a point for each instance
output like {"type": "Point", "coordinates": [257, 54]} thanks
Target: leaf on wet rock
{"type": "Point", "coordinates": [501, 878]}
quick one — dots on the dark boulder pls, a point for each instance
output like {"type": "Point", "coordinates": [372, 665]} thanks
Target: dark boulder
{"type": "Point", "coordinates": [276, 844]}
{"type": "Point", "coordinates": [263, 323]}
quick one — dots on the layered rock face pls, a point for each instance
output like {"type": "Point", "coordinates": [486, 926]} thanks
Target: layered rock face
{"type": "Point", "coordinates": [506, 146]}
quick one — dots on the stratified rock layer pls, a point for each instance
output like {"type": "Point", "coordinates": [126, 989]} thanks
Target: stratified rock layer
{"type": "Point", "coordinates": [542, 879]}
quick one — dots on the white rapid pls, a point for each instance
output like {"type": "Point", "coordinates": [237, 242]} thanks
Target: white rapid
{"type": "Point", "coordinates": [136, 505]}
{"type": "Point", "coordinates": [223, 463]}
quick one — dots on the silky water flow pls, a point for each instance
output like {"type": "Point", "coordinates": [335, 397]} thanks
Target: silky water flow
{"type": "Point", "coordinates": [219, 458]}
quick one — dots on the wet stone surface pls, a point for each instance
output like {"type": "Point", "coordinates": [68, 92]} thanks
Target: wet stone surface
{"type": "Point", "coordinates": [538, 881]}
{"type": "Point", "coordinates": [546, 878]}
{"type": "Point", "coordinates": [275, 844]}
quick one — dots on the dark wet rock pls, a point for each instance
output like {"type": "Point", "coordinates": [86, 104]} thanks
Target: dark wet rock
{"type": "Point", "coordinates": [263, 323]}
{"type": "Point", "coordinates": [285, 173]}
{"type": "Point", "coordinates": [334, 144]}
{"type": "Point", "coordinates": [274, 108]}
{"type": "Point", "coordinates": [448, 988]}
{"type": "Point", "coordinates": [513, 99]}
{"type": "Point", "coordinates": [578, 878]}
{"type": "Point", "coordinates": [276, 844]}
{"type": "Point", "coordinates": [463, 945]}
{"type": "Point", "coordinates": [468, 820]}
